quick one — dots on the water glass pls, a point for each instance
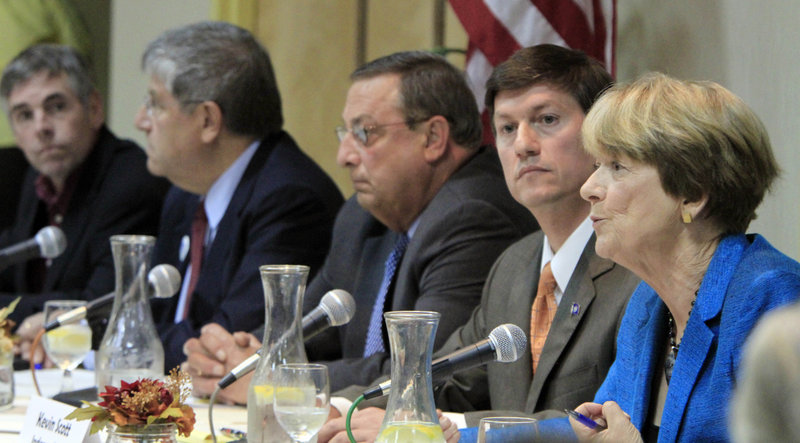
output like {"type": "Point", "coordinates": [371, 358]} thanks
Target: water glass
{"type": "Point", "coordinates": [302, 399]}
{"type": "Point", "coordinates": [67, 345]}
{"type": "Point", "coordinates": [507, 429]}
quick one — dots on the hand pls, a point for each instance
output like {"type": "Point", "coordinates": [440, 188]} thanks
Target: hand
{"type": "Point", "coordinates": [365, 424]}
{"type": "Point", "coordinates": [449, 429]}
{"type": "Point", "coordinates": [620, 428]}
{"type": "Point", "coordinates": [214, 354]}
{"type": "Point", "coordinates": [27, 331]}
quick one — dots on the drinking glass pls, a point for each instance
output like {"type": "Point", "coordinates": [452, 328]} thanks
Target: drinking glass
{"type": "Point", "coordinates": [507, 429]}
{"type": "Point", "coordinates": [67, 345]}
{"type": "Point", "coordinates": [301, 399]}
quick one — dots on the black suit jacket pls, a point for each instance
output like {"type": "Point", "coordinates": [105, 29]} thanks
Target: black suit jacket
{"type": "Point", "coordinates": [282, 212]}
{"type": "Point", "coordinates": [470, 221]}
{"type": "Point", "coordinates": [115, 195]}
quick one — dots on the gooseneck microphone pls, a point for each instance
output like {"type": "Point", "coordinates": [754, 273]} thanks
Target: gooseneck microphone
{"type": "Point", "coordinates": [163, 282]}
{"type": "Point", "coordinates": [506, 343]}
{"type": "Point", "coordinates": [49, 242]}
{"type": "Point", "coordinates": [335, 309]}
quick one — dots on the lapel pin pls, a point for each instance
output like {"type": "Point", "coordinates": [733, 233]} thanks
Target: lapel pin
{"type": "Point", "coordinates": [184, 249]}
{"type": "Point", "coordinates": [576, 309]}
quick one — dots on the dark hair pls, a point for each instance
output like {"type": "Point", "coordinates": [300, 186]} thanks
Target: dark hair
{"type": "Point", "coordinates": [568, 70]}
{"type": "Point", "coordinates": [430, 85]}
{"type": "Point", "coordinates": [222, 63]}
{"type": "Point", "coordinates": [54, 60]}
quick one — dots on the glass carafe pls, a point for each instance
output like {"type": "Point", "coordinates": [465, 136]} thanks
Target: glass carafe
{"type": "Point", "coordinates": [131, 348]}
{"type": "Point", "coordinates": [284, 286]}
{"type": "Point", "coordinates": [410, 414]}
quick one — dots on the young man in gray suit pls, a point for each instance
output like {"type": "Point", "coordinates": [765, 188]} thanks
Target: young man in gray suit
{"type": "Point", "coordinates": [537, 100]}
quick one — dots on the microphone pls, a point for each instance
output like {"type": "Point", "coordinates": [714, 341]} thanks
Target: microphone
{"type": "Point", "coordinates": [506, 343]}
{"type": "Point", "coordinates": [163, 282]}
{"type": "Point", "coordinates": [49, 242]}
{"type": "Point", "coordinates": [335, 309]}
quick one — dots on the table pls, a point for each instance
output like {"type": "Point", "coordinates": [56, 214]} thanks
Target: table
{"type": "Point", "coordinates": [11, 420]}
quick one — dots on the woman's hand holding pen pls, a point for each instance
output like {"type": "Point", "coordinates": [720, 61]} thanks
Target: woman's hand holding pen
{"type": "Point", "coordinates": [620, 428]}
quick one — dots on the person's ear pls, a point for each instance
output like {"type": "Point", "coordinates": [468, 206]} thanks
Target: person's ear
{"type": "Point", "coordinates": [97, 114]}
{"type": "Point", "coordinates": [437, 134]}
{"type": "Point", "coordinates": [690, 210]}
{"type": "Point", "coordinates": [212, 123]}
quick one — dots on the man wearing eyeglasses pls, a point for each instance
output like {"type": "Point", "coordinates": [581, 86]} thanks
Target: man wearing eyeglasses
{"type": "Point", "coordinates": [431, 213]}
{"type": "Point", "coordinates": [244, 194]}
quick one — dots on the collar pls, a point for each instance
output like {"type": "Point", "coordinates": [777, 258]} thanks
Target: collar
{"type": "Point", "coordinates": [219, 195]}
{"type": "Point", "coordinates": [57, 203]}
{"type": "Point", "coordinates": [564, 261]}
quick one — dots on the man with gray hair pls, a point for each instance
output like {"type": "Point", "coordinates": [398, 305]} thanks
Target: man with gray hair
{"type": "Point", "coordinates": [244, 194]}
{"type": "Point", "coordinates": [81, 178]}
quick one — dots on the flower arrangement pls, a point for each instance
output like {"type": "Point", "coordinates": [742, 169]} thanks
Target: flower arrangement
{"type": "Point", "coordinates": [6, 325]}
{"type": "Point", "coordinates": [145, 401]}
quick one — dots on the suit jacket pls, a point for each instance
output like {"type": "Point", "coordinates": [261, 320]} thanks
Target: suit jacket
{"type": "Point", "coordinates": [746, 277]}
{"type": "Point", "coordinates": [114, 195]}
{"type": "Point", "coordinates": [460, 233]}
{"type": "Point", "coordinates": [579, 348]}
{"type": "Point", "coordinates": [282, 212]}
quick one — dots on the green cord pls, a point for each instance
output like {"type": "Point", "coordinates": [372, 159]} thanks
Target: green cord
{"type": "Point", "coordinates": [350, 414]}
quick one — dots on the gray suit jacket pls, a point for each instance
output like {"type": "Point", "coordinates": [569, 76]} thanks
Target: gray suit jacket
{"type": "Point", "coordinates": [470, 221]}
{"type": "Point", "coordinates": [580, 346]}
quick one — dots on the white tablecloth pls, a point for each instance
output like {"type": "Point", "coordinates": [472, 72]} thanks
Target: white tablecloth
{"type": "Point", "coordinates": [11, 420]}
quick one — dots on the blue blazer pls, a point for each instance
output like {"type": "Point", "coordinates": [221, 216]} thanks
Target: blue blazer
{"type": "Point", "coordinates": [746, 277]}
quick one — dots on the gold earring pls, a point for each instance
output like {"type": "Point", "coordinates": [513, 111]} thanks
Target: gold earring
{"type": "Point", "coordinates": [687, 217]}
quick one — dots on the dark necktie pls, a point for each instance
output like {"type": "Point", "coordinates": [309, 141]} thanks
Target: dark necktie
{"type": "Point", "coordinates": [374, 341]}
{"type": "Point", "coordinates": [196, 247]}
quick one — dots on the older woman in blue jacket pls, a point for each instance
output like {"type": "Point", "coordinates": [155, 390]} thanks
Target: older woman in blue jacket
{"type": "Point", "coordinates": [681, 168]}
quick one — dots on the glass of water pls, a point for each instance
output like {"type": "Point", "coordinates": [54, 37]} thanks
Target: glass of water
{"type": "Point", "coordinates": [67, 345]}
{"type": "Point", "coordinates": [301, 399]}
{"type": "Point", "coordinates": [507, 429]}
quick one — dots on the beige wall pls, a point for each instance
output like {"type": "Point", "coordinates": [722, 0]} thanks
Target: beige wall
{"type": "Point", "coordinates": [753, 48]}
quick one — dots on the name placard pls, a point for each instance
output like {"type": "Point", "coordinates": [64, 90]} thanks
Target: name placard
{"type": "Point", "coordinates": [45, 423]}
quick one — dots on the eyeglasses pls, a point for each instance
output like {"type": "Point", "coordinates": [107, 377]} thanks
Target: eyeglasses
{"type": "Point", "coordinates": [362, 133]}
{"type": "Point", "coordinates": [153, 107]}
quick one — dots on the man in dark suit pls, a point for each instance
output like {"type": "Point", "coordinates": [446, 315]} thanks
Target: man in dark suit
{"type": "Point", "coordinates": [82, 179]}
{"type": "Point", "coordinates": [411, 141]}
{"type": "Point", "coordinates": [537, 100]}
{"type": "Point", "coordinates": [213, 122]}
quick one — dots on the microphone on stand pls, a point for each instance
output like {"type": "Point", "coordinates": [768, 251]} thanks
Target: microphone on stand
{"type": "Point", "coordinates": [163, 282]}
{"type": "Point", "coordinates": [506, 343]}
{"type": "Point", "coordinates": [49, 242]}
{"type": "Point", "coordinates": [335, 309]}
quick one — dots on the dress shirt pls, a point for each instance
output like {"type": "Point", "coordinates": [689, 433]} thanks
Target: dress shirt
{"type": "Point", "coordinates": [216, 203]}
{"type": "Point", "coordinates": [563, 262]}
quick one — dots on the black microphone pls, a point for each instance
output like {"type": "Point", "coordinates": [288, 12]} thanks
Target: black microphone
{"type": "Point", "coordinates": [506, 343]}
{"type": "Point", "coordinates": [163, 282]}
{"type": "Point", "coordinates": [335, 309]}
{"type": "Point", "coordinates": [49, 242]}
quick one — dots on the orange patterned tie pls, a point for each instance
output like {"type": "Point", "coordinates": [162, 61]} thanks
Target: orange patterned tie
{"type": "Point", "coordinates": [542, 313]}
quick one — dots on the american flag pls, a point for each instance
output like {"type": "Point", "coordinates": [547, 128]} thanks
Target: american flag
{"type": "Point", "coordinates": [497, 28]}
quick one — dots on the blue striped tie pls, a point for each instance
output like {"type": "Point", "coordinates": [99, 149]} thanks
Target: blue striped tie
{"type": "Point", "coordinates": [374, 341]}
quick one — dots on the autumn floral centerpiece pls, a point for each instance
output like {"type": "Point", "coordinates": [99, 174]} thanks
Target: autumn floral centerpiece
{"type": "Point", "coordinates": [143, 402]}
{"type": "Point", "coordinates": [6, 338]}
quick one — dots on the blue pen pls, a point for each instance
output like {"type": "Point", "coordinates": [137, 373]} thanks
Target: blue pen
{"type": "Point", "coordinates": [584, 420]}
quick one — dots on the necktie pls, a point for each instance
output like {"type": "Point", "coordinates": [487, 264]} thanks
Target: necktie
{"type": "Point", "coordinates": [374, 342]}
{"type": "Point", "coordinates": [542, 313]}
{"type": "Point", "coordinates": [196, 246]}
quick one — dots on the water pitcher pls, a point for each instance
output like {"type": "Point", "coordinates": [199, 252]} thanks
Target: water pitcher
{"type": "Point", "coordinates": [131, 348]}
{"type": "Point", "coordinates": [284, 286]}
{"type": "Point", "coordinates": [410, 414]}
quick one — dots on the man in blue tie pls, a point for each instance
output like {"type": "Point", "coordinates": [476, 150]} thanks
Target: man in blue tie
{"type": "Point", "coordinates": [410, 138]}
